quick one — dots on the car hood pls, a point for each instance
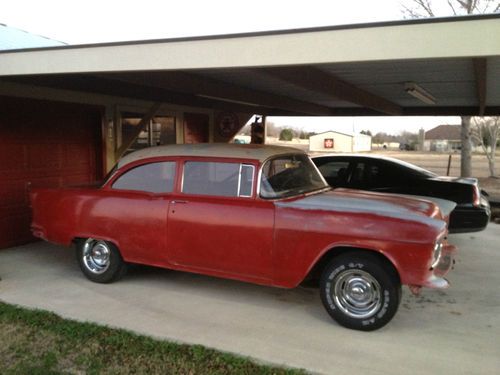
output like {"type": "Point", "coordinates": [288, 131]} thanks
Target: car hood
{"type": "Point", "coordinates": [396, 206]}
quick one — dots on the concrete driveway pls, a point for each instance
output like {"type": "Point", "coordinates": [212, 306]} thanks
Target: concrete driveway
{"type": "Point", "coordinates": [451, 332]}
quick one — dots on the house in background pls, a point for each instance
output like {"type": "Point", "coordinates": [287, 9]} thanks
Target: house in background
{"type": "Point", "coordinates": [443, 138]}
{"type": "Point", "coordinates": [340, 142]}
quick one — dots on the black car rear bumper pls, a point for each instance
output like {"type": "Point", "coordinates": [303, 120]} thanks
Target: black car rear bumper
{"type": "Point", "coordinates": [470, 218]}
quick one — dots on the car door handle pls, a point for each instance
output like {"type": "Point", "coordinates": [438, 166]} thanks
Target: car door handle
{"type": "Point", "coordinates": [178, 202]}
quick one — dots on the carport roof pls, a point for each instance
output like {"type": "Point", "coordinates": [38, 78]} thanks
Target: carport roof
{"type": "Point", "coordinates": [342, 70]}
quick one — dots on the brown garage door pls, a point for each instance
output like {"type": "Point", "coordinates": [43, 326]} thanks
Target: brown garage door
{"type": "Point", "coordinates": [43, 144]}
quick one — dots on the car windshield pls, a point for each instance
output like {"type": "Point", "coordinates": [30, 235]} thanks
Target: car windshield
{"type": "Point", "coordinates": [290, 175]}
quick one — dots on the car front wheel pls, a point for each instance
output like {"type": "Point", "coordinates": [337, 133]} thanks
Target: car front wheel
{"type": "Point", "coordinates": [360, 291]}
{"type": "Point", "coordinates": [100, 261]}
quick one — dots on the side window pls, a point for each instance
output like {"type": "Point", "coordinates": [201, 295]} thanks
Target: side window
{"type": "Point", "coordinates": [384, 174]}
{"type": "Point", "coordinates": [374, 176]}
{"type": "Point", "coordinates": [335, 172]}
{"type": "Point", "coordinates": [152, 178]}
{"type": "Point", "coordinates": [358, 178]}
{"type": "Point", "coordinates": [218, 179]}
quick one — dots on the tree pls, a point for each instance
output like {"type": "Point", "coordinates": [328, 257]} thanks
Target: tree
{"type": "Point", "coordinates": [286, 134]}
{"type": "Point", "coordinates": [271, 129]}
{"type": "Point", "coordinates": [382, 137]}
{"type": "Point", "coordinates": [429, 8]}
{"type": "Point", "coordinates": [486, 131]}
{"type": "Point", "coordinates": [304, 135]}
{"type": "Point", "coordinates": [466, 148]}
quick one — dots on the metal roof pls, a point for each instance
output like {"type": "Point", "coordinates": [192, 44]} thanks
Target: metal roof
{"type": "Point", "coordinates": [12, 38]}
{"type": "Point", "coordinates": [213, 150]}
{"type": "Point", "coordinates": [329, 71]}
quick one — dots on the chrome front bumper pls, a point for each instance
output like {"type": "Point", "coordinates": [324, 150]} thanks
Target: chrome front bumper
{"type": "Point", "coordinates": [436, 278]}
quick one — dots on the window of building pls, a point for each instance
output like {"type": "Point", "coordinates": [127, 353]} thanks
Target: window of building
{"type": "Point", "coordinates": [161, 130]}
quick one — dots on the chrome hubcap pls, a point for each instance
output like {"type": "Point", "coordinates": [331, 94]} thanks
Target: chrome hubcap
{"type": "Point", "coordinates": [96, 256]}
{"type": "Point", "coordinates": [357, 294]}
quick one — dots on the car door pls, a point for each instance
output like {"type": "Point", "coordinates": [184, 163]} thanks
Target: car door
{"type": "Point", "coordinates": [135, 211]}
{"type": "Point", "coordinates": [216, 225]}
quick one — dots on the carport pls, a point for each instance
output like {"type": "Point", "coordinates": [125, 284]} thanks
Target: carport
{"type": "Point", "coordinates": [210, 87]}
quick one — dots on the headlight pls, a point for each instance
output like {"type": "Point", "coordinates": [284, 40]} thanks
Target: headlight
{"type": "Point", "coordinates": [436, 254]}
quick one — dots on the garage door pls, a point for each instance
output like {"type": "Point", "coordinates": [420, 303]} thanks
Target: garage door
{"type": "Point", "coordinates": [43, 144]}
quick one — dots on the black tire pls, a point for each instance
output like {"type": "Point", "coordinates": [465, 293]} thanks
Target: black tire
{"type": "Point", "coordinates": [360, 291]}
{"type": "Point", "coordinates": [100, 261]}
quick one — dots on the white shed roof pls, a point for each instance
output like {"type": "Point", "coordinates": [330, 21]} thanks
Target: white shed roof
{"type": "Point", "coordinates": [333, 132]}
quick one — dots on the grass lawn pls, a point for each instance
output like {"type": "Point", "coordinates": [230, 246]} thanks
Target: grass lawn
{"type": "Point", "coordinates": [39, 342]}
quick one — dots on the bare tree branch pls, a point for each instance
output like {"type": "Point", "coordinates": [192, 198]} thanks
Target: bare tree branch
{"type": "Point", "coordinates": [426, 8]}
{"type": "Point", "coordinates": [410, 12]}
{"type": "Point", "coordinates": [486, 132]}
{"type": "Point", "coordinates": [425, 4]}
{"type": "Point", "coordinates": [452, 7]}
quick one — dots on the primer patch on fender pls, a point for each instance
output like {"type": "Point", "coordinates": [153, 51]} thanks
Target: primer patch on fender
{"type": "Point", "coordinates": [388, 205]}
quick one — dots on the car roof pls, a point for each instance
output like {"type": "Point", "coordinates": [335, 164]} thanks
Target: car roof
{"type": "Point", "coordinates": [220, 150]}
{"type": "Point", "coordinates": [349, 155]}
{"type": "Point", "coordinates": [365, 156]}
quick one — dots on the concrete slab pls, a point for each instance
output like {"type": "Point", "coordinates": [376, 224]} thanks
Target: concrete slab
{"type": "Point", "coordinates": [456, 331]}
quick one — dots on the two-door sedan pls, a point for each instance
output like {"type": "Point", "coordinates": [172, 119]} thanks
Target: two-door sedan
{"type": "Point", "coordinates": [260, 214]}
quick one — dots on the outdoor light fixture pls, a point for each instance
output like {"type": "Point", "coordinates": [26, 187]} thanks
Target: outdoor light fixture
{"type": "Point", "coordinates": [418, 92]}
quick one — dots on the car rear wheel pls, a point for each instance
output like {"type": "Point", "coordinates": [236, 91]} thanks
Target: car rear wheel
{"type": "Point", "coordinates": [360, 291]}
{"type": "Point", "coordinates": [100, 261]}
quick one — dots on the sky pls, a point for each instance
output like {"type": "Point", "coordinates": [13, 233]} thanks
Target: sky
{"type": "Point", "coordinates": [98, 21]}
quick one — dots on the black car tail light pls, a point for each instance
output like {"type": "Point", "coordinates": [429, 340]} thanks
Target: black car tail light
{"type": "Point", "coordinates": [476, 195]}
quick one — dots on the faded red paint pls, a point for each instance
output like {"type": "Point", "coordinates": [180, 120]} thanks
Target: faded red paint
{"type": "Point", "coordinates": [270, 242]}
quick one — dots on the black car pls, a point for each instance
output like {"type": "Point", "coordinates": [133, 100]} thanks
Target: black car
{"type": "Point", "coordinates": [383, 174]}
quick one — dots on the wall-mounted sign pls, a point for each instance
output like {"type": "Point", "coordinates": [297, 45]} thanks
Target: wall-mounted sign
{"type": "Point", "coordinates": [227, 124]}
{"type": "Point", "coordinates": [328, 143]}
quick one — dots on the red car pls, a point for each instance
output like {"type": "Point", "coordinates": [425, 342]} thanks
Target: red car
{"type": "Point", "coordinates": [254, 213]}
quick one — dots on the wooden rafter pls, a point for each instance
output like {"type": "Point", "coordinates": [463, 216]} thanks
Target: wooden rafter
{"type": "Point", "coordinates": [126, 143]}
{"type": "Point", "coordinates": [317, 80]}
{"type": "Point", "coordinates": [102, 84]}
{"type": "Point", "coordinates": [480, 66]}
{"type": "Point", "coordinates": [204, 87]}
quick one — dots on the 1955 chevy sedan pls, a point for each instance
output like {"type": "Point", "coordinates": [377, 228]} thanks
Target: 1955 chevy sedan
{"type": "Point", "coordinates": [259, 214]}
